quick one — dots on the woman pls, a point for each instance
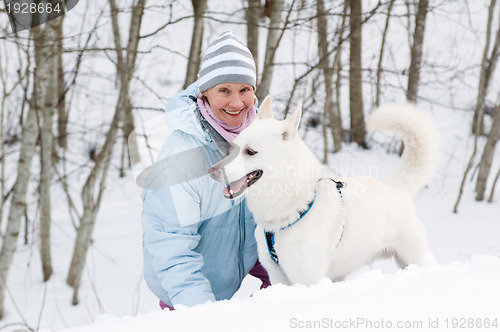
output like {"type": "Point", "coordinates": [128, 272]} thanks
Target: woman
{"type": "Point", "coordinates": [198, 246]}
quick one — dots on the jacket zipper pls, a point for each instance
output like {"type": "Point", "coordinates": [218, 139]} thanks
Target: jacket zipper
{"type": "Point", "coordinates": [241, 221]}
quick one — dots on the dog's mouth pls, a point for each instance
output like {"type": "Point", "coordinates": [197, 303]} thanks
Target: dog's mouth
{"type": "Point", "coordinates": [236, 188]}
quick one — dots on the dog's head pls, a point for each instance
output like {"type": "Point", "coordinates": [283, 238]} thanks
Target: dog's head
{"type": "Point", "coordinates": [256, 151]}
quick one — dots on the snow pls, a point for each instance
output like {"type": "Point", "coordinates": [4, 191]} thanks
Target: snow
{"type": "Point", "coordinates": [412, 296]}
{"type": "Point", "coordinates": [463, 282]}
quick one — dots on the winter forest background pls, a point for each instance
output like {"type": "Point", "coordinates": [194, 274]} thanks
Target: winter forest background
{"type": "Point", "coordinates": [73, 90]}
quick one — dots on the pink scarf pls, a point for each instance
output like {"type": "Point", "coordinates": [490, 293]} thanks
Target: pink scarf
{"type": "Point", "coordinates": [227, 132]}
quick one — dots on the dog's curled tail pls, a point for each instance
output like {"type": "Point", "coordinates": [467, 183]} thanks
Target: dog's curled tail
{"type": "Point", "coordinates": [420, 143]}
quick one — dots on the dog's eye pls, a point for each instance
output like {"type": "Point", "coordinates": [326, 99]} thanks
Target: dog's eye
{"type": "Point", "coordinates": [250, 151]}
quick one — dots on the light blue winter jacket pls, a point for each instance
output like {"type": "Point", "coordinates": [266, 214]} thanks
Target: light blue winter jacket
{"type": "Point", "coordinates": [198, 245]}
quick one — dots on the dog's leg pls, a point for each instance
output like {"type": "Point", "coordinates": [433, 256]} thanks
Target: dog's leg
{"type": "Point", "coordinates": [277, 276]}
{"type": "Point", "coordinates": [412, 245]}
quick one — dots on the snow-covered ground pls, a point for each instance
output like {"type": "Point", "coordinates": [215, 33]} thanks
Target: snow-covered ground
{"type": "Point", "coordinates": [460, 290]}
{"type": "Point", "coordinates": [439, 297]}
{"type": "Point", "coordinates": [463, 283]}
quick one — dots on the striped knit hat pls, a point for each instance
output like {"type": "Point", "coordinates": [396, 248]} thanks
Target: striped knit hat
{"type": "Point", "coordinates": [226, 60]}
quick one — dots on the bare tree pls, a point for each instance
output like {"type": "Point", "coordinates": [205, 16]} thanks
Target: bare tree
{"type": "Point", "coordinates": [5, 95]}
{"type": "Point", "coordinates": [327, 68]}
{"type": "Point", "coordinates": [18, 202]}
{"type": "Point", "coordinates": [253, 13]}
{"type": "Point", "coordinates": [487, 157]}
{"type": "Point", "coordinates": [28, 141]}
{"type": "Point", "coordinates": [45, 52]}
{"type": "Point", "coordinates": [63, 86]}
{"type": "Point", "coordinates": [416, 52]}
{"type": "Point", "coordinates": [337, 63]}
{"type": "Point", "coordinates": [127, 128]}
{"type": "Point", "coordinates": [194, 60]}
{"type": "Point", "coordinates": [358, 127]}
{"type": "Point", "coordinates": [488, 65]}
{"type": "Point", "coordinates": [126, 118]}
{"type": "Point", "coordinates": [62, 118]}
{"type": "Point", "coordinates": [93, 190]}
{"type": "Point", "coordinates": [381, 54]}
{"type": "Point", "coordinates": [273, 38]}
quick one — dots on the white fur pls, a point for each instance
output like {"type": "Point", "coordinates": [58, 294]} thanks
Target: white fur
{"type": "Point", "coordinates": [372, 218]}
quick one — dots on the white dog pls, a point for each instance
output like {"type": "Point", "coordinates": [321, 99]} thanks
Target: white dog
{"type": "Point", "coordinates": [310, 227]}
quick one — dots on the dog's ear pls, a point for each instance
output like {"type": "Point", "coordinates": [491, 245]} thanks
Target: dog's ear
{"type": "Point", "coordinates": [266, 109]}
{"type": "Point", "coordinates": [292, 123]}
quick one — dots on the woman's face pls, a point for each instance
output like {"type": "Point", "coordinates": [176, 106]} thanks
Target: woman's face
{"type": "Point", "coordinates": [231, 101]}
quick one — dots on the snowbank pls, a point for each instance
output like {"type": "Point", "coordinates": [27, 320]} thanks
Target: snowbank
{"type": "Point", "coordinates": [456, 295]}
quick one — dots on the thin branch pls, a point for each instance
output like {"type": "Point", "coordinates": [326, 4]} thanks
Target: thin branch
{"type": "Point", "coordinates": [318, 63]}
{"type": "Point", "coordinates": [170, 22]}
{"type": "Point", "coordinates": [490, 200]}
{"type": "Point", "coordinates": [44, 299]}
{"type": "Point", "coordinates": [71, 205]}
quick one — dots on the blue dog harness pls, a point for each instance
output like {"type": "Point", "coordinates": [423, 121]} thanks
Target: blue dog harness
{"type": "Point", "coordinates": [270, 235]}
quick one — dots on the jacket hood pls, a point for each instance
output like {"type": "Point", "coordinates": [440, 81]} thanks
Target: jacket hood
{"type": "Point", "coordinates": [180, 112]}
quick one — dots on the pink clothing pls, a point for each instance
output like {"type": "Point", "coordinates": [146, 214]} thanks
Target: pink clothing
{"type": "Point", "coordinates": [163, 306]}
{"type": "Point", "coordinates": [258, 271]}
{"type": "Point", "coordinates": [227, 132]}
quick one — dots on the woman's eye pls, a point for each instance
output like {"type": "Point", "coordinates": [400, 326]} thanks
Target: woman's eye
{"type": "Point", "coordinates": [251, 152]}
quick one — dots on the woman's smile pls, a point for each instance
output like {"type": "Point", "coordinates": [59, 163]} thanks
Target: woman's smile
{"type": "Point", "coordinates": [230, 102]}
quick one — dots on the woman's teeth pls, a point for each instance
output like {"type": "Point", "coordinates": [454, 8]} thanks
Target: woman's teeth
{"type": "Point", "coordinates": [232, 113]}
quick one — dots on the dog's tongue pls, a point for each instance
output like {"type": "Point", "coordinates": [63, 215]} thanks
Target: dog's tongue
{"type": "Point", "coordinates": [235, 186]}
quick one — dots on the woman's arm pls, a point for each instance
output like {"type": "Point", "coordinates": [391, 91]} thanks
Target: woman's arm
{"type": "Point", "coordinates": [170, 231]}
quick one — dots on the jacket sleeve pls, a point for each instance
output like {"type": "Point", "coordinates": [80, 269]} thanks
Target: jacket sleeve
{"type": "Point", "coordinates": [170, 232]}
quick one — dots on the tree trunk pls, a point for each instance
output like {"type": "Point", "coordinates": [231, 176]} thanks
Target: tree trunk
{"type": "Point", "coordinates": [337, 64]}
{"type": "Point", "coordinates": [381, 55]}
{"type": "Point", "coordinates": [127, 117]}
{"type": "Point", "coordinates": [194, 60]}
{"type": "Point", "coordinates": [487, 157]}
{"type": "Point", "coordinates": [416, 52]}
{"type": "Point", "coordinates": [253, 13]}
{"type": "Point", "coordinates": [327, 68]}
{"type": "Point", "coordinates": [129, 140]}
{"type": "Point", "coordinates": [273, 38]}
{"type": "Point", "coordinates": [91, 201]}
{"type": "Point", "coordinates": [358, 127]}
{"type": "Point", "coordinates": [45, 48]}
{"type": "Point", "coordinates": [487, 68]}
{"type": "Point", "coordinates": [5, 95]}
{"type": "Point", "coordinates": [62, 118]}
{"type": "Point", "coordinates": [93, 189]}
{"type": "Point", "coordinates": [488, 64]}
